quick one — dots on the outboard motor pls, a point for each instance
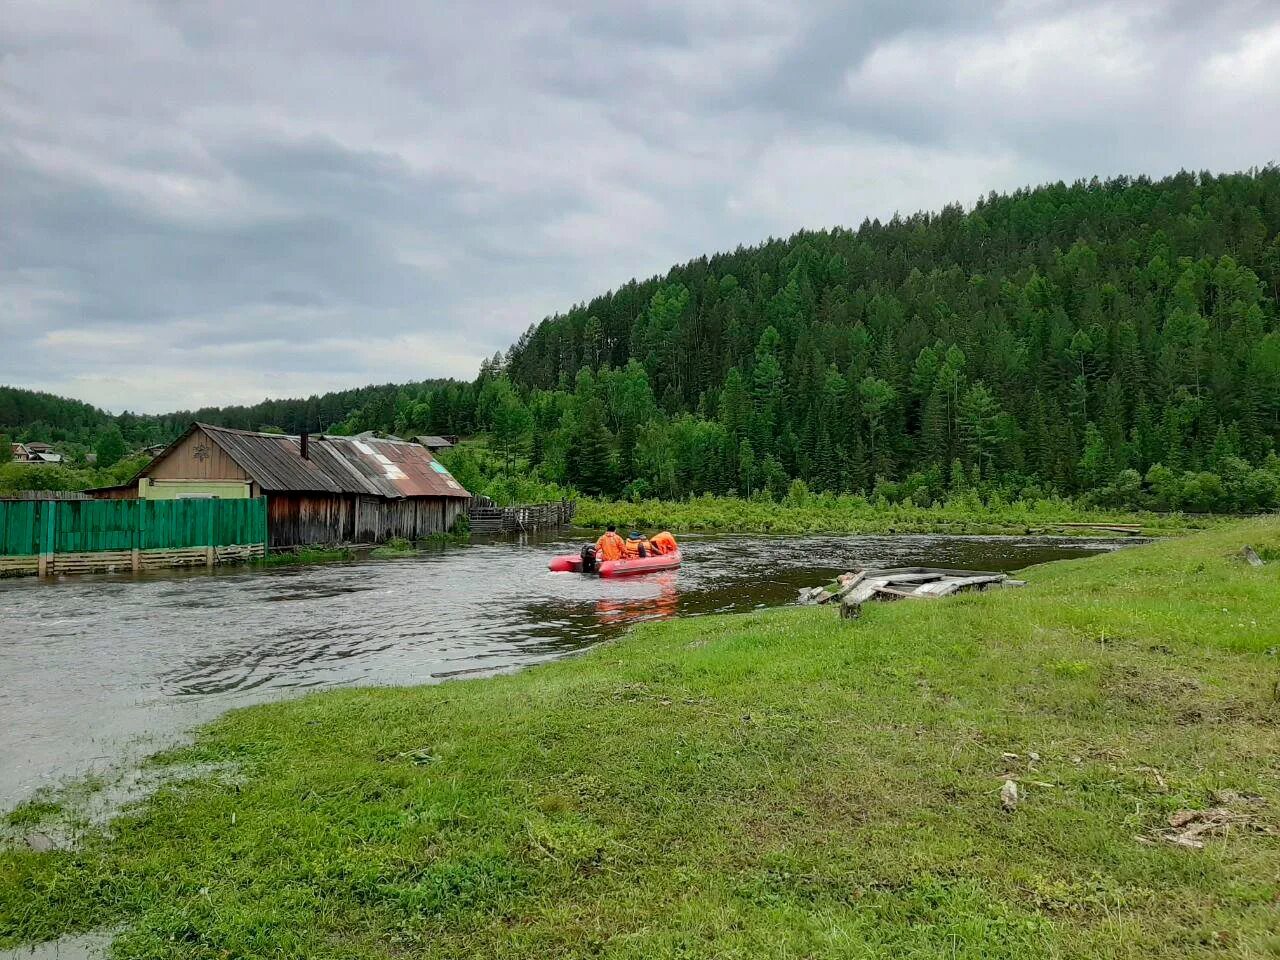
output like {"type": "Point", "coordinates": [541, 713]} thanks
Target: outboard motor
{"type": "Point", "coordinates": [589, 559]}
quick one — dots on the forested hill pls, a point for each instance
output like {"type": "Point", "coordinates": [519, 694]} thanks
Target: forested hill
{"type": "Point", "coordinates": [1065, 336]}
{"type": "Point", "coordinates": [35, 415]}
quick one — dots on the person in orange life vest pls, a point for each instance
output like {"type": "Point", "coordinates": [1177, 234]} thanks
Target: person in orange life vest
{"type": "Point", "coordinates": [636, 546]}
{"type": "Point", "coordinates": [664, 542]}
{"type": "Point", "coordinates": [610, 545]}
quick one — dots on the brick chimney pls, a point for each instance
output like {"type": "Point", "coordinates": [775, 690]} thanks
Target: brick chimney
{"type": "Point", "coordinates": [305, 442]}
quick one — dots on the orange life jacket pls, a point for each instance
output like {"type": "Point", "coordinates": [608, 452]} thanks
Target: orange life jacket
{"type": "Point", "coordinates": [610, 546]}
{"type": "Point", "coordinates": [633, 548]}
{"type": "Point", "coordinates": [664, 542]}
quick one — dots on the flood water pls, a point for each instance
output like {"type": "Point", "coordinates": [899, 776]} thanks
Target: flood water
{"type": "Point", "coordinates": [95, 671]}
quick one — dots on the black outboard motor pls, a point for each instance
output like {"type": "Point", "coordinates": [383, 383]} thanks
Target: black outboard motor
{"type": "Point", "coordinates": [589, 559]}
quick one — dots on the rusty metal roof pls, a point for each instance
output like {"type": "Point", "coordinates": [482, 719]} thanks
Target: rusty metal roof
{"type": "Point", "coordinates": [372, 467]}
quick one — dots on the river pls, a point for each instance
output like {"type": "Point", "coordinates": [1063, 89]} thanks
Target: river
{"type": "Point", "coordinates": [98, 671]}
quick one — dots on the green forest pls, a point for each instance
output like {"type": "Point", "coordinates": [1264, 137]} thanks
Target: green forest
{"type": "Point", "coordinates": [1115, 341]}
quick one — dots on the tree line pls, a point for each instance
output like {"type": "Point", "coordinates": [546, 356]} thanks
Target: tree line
{"type": "Point", "coordinates": [1116, 340]}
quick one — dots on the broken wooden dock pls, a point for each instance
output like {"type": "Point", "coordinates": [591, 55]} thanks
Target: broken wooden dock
{"type": "Point", "coordinates": [903, 583]}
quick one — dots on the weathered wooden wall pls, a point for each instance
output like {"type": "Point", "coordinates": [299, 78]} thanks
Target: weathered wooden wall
{"type": "Point", "coordinates": [413, 518]}
{"type": "Point", "coordinates": [314, 519]}
{"type": "Point", "coordinates": [309, 519]}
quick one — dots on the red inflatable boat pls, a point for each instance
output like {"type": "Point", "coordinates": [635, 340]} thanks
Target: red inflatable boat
{"type": "Point", "coordinates": [572, 563]}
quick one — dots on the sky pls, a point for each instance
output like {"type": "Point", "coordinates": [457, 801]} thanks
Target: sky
{"type": "Point", "coordinates": [216, 203]}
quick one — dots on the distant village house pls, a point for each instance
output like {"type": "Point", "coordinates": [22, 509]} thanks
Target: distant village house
{"type": "Point", "coordinates": [319, 489]}
{"type": "Point", "coordinates": [33, 452]}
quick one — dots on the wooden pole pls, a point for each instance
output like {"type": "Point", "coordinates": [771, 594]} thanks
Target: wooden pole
{"type": "Point", "coordinates": [208, 550]}
{"type": "Point", "coordinates": [136, 557]}
{"type": "Point", "coordinates": [48, 524]}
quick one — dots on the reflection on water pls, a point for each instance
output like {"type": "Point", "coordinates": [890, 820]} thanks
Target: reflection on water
{"type": "Point", "coordinates": [93, 669]}
{"type": "Point", "coordinates": [656, 599]}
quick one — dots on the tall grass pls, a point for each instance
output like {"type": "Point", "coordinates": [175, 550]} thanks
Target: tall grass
{"type": "Point", "coordinates": [829, 513]}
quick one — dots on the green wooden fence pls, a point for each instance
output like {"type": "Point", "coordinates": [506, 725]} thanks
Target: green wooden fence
{"type": "Point", "coordinates": [34, 527]}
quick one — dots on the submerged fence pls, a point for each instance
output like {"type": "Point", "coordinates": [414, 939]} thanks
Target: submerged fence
{"type": "Point", "coordinates": [48, 537]}
{"type": "Point", "coordinates": [487, 517]}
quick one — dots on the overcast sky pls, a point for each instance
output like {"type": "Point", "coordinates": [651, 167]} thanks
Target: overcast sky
{"type": "Point", "coordinates": [208, 203]}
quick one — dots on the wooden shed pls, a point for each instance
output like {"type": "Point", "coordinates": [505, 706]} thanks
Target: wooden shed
{"type": "Point", "coordinates": [319, 489]}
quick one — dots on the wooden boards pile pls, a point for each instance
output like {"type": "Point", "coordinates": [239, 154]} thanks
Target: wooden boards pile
{"type": "Point", "coordinates": [901, 583]}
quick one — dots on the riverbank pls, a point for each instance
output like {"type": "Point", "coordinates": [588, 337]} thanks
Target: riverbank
{"type": "Point", "coordinates": [848, 514]}
{"type": "Point", "coordinates": [756, 785]}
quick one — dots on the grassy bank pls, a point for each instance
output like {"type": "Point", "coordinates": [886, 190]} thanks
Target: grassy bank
{"type": "Point", "coordinates": [848, 514]}
{"type": "Point", "coordinates": [781, 784]}
{"type": "Point", "coordinates": [306, 555]}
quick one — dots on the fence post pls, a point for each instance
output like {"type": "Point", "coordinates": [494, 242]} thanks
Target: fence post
{"type": "Point", "coordinates": [136, 506]}
{"type": "Point", "coordinates": [208, 550]}
{"type": "Point", "coordinates": [47, 524]}
{"type": "Point", "coordinates": [144, 514]}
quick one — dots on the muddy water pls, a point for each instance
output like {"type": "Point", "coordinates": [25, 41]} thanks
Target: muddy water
{"type": "Point", "coordinates": [99, 670]}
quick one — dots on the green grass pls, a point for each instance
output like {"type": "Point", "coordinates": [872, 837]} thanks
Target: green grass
{"type": "Point", "coordinates": [780, 784]}
{"type": "Point", "coordinates": [305, 555]}
{"type": "Point", "coordinates": [825, 513]}
{"type": "Point", "coordinates": [395, 548]}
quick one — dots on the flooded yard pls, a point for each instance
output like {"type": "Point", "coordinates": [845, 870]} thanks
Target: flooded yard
{"type": "Point", "coordinates": [99, 670]}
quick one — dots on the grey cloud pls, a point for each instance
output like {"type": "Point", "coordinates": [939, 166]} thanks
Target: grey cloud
{"type": "Point", "coordinates": [217, 201]}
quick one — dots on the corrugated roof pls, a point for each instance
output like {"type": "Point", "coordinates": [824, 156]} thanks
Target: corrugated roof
{"type": "Point", "coordinates": [372, 467]}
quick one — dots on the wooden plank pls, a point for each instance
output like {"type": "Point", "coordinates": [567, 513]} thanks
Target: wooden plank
{"type": "Point", "coordinates": [943, 588]}
{"type": "Point", "coordinates": [849, 586]}
{"type": "Point", "coordinates": [972, 583]}
{"type": "Point", "coordinates": [907, 578]}
{"type": "Point", "coordinates": [890, 593]}
{"type": "Point", "coordinates": [20, 566]}
{"type": "Point", "coordinates": [863, 592]}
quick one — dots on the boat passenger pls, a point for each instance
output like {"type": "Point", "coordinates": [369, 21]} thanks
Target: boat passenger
{"type": "Point", "coordinates": [637, 546]}
{"type": "Point", "coordinates": [664, 542]}
{"type": "Point", "coordinates": [610, 546]}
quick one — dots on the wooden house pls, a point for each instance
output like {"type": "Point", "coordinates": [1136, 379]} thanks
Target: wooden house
{"type": "Point", "coordinates": [436, 444]}
{"type": "Point", "coordinates": [33, 452]}
{"type": "Point", "coordinates": [319, 489]}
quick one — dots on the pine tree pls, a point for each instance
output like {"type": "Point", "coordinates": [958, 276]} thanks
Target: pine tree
{"type": "Point", "coordinates": [979, 417]}
{"type": "Point", "coordinates": [590, 450]}
{"type": "Point", "coordinates": [766, 391]}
